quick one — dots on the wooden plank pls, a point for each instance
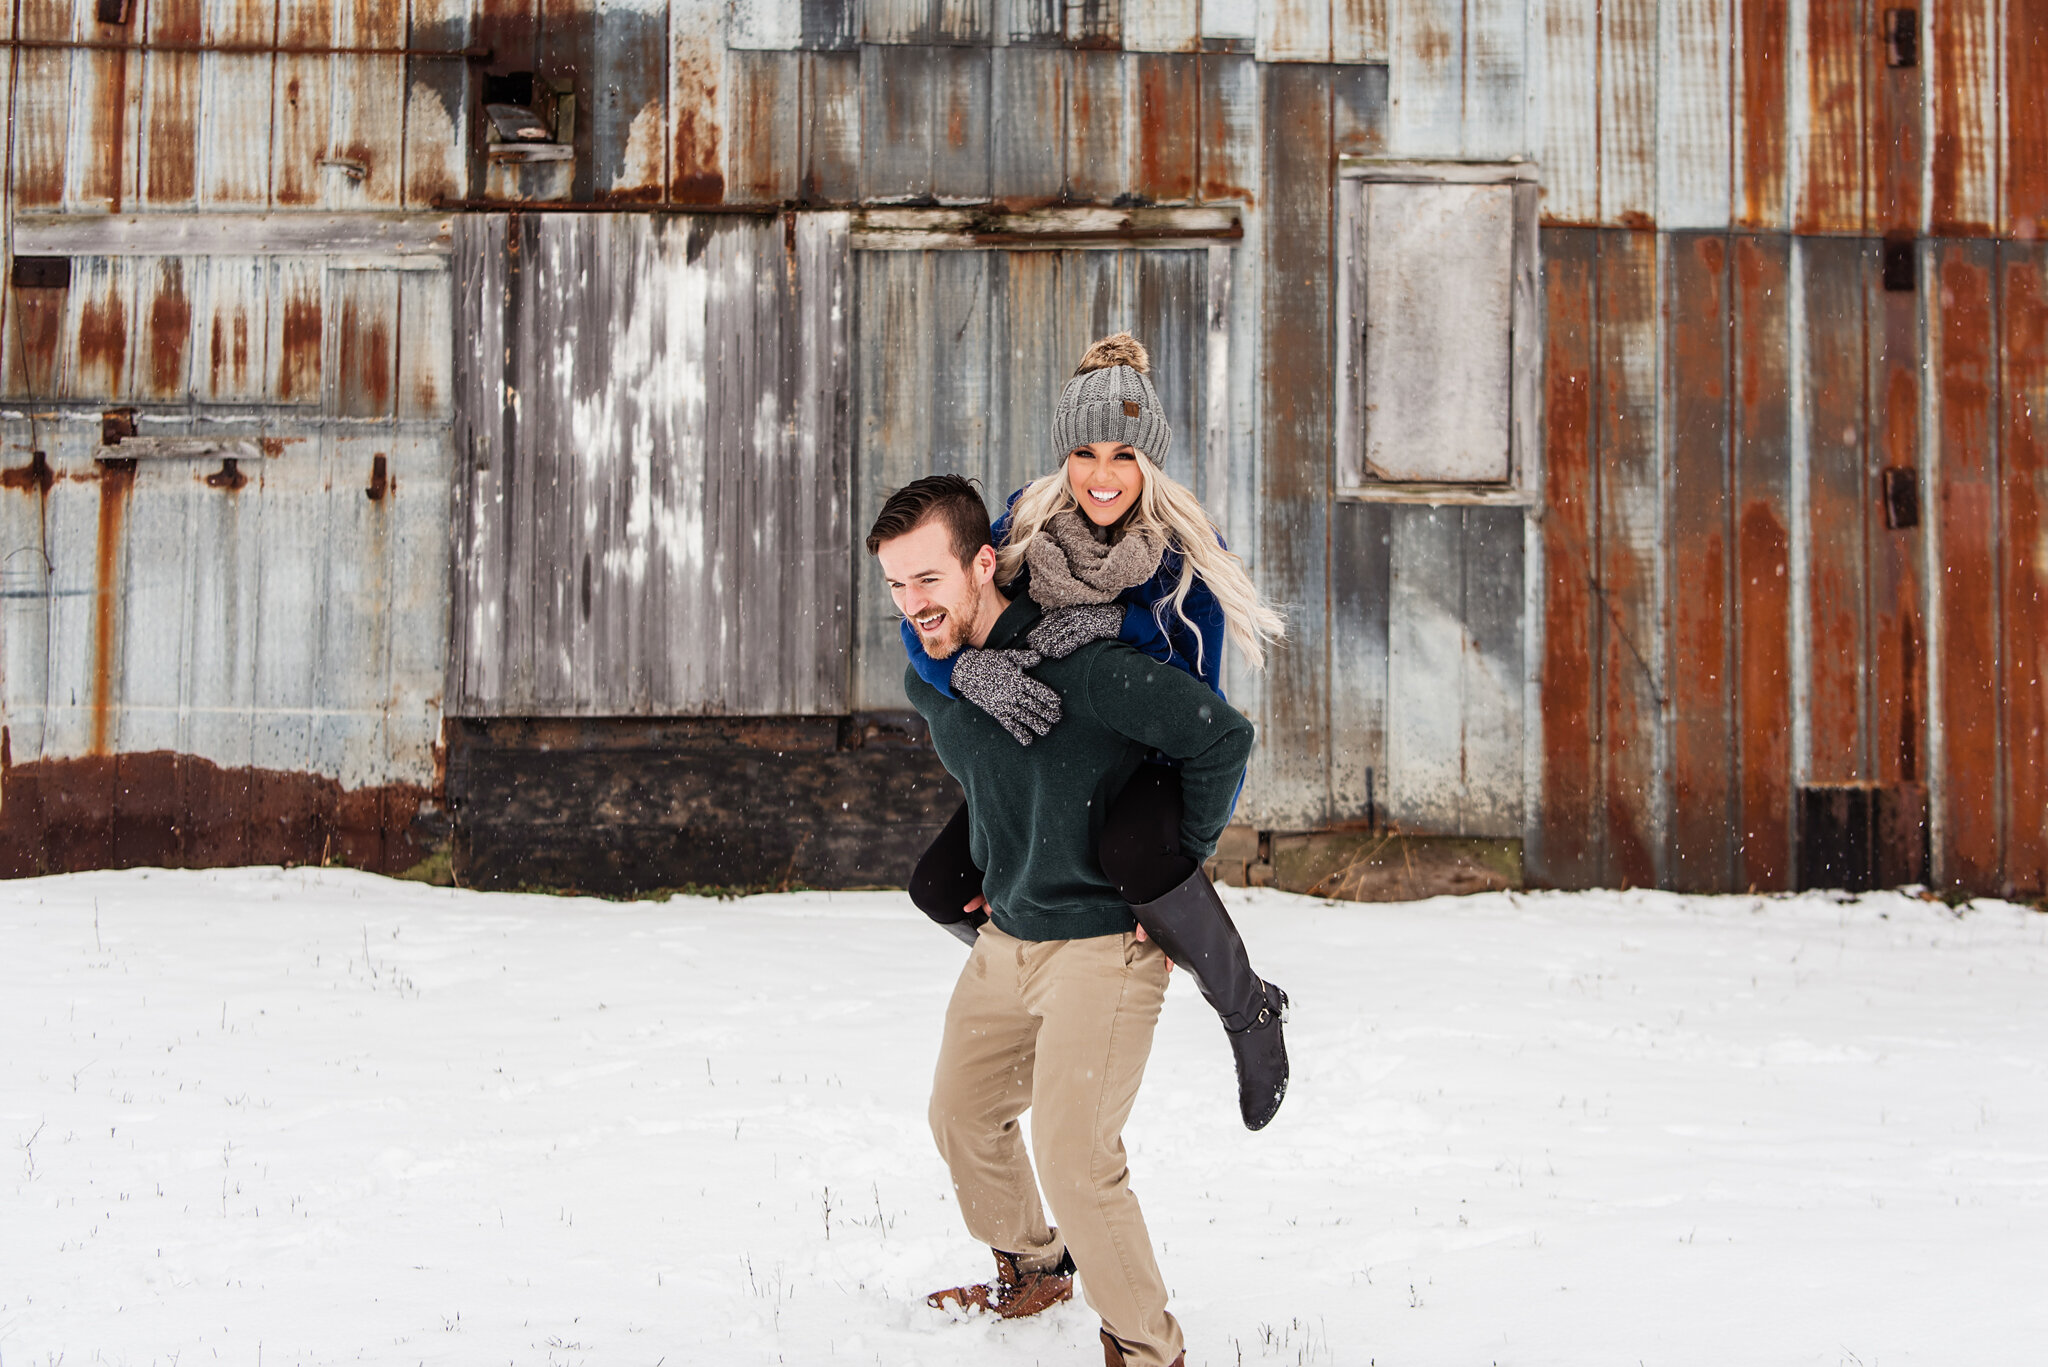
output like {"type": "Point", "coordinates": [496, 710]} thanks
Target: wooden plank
{"type": "Point", "coordinates": [170, 107]}
{"type": "Point", "coordinates": [1696, 412]}
{"type": "Point", "coordinates": [1760, 75]}
{"type": "Point", "coordinates": [163, 311]}
{"type": "Point", "coordinates": [1897, 665]}
{"type": "Point", "coordinates": [1963, 49]}
{"type": "Point", "coordinates": [475, 610]}
{"type": "Point", "coordinates": [1425, 674]}
{"type": "Point", "coordinates": [696, 80]}
{"type": "Point", "coordinates": [1627, 67]}
{"type": "Point", "coordinates": [393, 238]}
{"type": "Point", "coordinates": [960, 131]}
{"type": "Point", "coordinates": [831, 129]}
{"type": "Point", "coordinates": [1491, 673]}
{"type": "Point", "coordinates": [1426, 71]}
{"type": "Point", "coordinates": [1294, 442]}
{"type": "Point", "coordinates": [2025, 93]}
{"type": "Point", "coordinates": [1027, 145]}
{"type": "Point", "coordinates": [2023, 316]}
{"type": "Point", "coordinates": [1694, 49]}
{"type": "Point", "coordinates": [1631, 649]}
{"type": "Point", "coordinates": [361, 367]}
{"type": "Point", "coordinates": [1167, 94]}
{"type": "Point", "coordinates": [1294, 31]}
{"type": "Point", "coordinates": [1763, 604]}
{"type": "Point", "coordinates": [1832, 345]}
{"type": "Point", "coordinates": [1567, 57]}
{"type": "Point", "coordinates": [1098, 141]}
{"type": "Point", "coordinates": [1834, 183]}
{"type": "Point", "coordinates": [437, 108]}
{"type": "Point", "coordinates": [896, 122]}
{"type": "Point", "coordinates": [1360, 580]}
{"type": "Point", "coordinates": [1232, 124]}
{"type": "Point", "coordinates": [767, 92]}
{"type": "Point", "coordinates": [103, 164]}
{"type": "Point", "coordinates": [1496, 81]}
{"type": "Point", "coordinates": [303, 113]}
{"type": "Point", "coordinates": [1358, 31]}
{"type": "Point", "coordinates": [628, 101]}
{"type": "Point", "coordinates": [1968, 850]}
{"type": "Point", "coordinates": [237, 117]}
{"type": "Point", "coordinates": [366, 139]}
{"type": "Point", "coordinates": [686, 585]}
{"type": "Point", "coordinates": [1162, 26]}
{"type": "Point", "coordinates": [823, 449]}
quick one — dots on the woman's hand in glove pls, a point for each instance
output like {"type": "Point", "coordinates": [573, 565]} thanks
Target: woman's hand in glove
{"type": "Point", "coordinates": [1063, 631]}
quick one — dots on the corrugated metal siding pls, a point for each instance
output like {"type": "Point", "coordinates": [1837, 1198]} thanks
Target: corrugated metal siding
{"type": "Point", "coordinates": [655, 464]}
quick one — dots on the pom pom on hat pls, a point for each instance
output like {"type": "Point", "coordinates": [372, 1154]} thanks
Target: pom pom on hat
{"type": "Point", "coordinates": [1118, 349]}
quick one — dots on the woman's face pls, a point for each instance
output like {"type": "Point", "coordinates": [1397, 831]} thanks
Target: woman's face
{"type": "Point", "coordinates": [1106, 480]}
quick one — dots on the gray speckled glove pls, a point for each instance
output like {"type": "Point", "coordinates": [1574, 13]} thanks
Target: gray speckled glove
{"type": "Point", "coordinates": [995, 681]}
{"type": "Point", "coordinates": [1063, 631]}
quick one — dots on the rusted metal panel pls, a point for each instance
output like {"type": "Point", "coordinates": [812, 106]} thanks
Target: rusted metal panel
{"type": "Point", "coordinates": [41, 110]}
{"type": "Point", "coordinates": [1231, 133]}
{"type": "Point", "coordinates": [2025, 93]}
{"type": "Point", "coordinates": [1294, 440]}
{"type": "Point", "coordinates": [2023, 315]}
{"type": "Point", "coordinates": [1166, 92]}
{"type": "Point", "coordinates": [647, 523]}
{"type": "Point", "coordinates": [1761, 434]}
{"type": "Point", "coordinates": [626, 81]}
{"type": "Point", "coordinates": [106, 101]}
{"type": "Point", "coordinates": [1096, 24]}
{"type": "Point", "coordinates": [897, 97]}
{"type": "Point", "coordinates": [1963, 49]}
{"type": "Point", "coordinates": [1759, 78]}
{"type": "Point", "coordinates": [1098, 143]}
{"type": "Point", "coordinates": [33, 337]}
{"type": "Point", "coordinates": [231, 330]}
{"type": "Point", "coordinates": [1896, 117]}
{"type": "Point", "coordinates": [1490, 673]}
{"type": "Point", "coordinates": [894, 434]}
{"type": "Point", "coordinates": [1963, 376]}
{"type": "Point", "coordinates": [896, 21]}
{"type": "Point", "coordinates": [1426, 645]}
{"type": "Point", "coordinates": [1027, 145]}
{"type": "Point", "coordinates": [1897, 668]}
{"type": "Point", "coordinates": [767, 95]}
{"type": "Point", "coordinates": [293, 352]}
{"type": "Point", "coordinates": [1832, 332]}
{"type": "Point", "coordinates": [1361, 540]}
{"type": "Point", "coordinates": [1696, 416]}
{"type": "Point", "coordinates": [1627, 77]}
{"type": "Point", "coordinates": [437, 107]}
{"type": "Point", "coordinates": [303, 113]}
{"type": "Point", "coordinates": [169, 172]}
{"type": "Point", "coordinates": [1567, 57]}
{"type": "Point", "coordinates": [1359, 96]}
{"type": "Point", "coordinates": [163, 315]}
{"type": "Point", "coordinates": [1358, 31]}
{"type": "Point", "coordinates": [361, 164]}
{"type": "Point", "coordinates": [1427, 68]}
{"type": "Point", "coordinates": [238, 126]}
{"type": "Point", "coordinates": [1162, 26]}
{"type": "Point", "coordinates": [1831, 121]}
{"type": "Point", "coordinates": [696, 79]}
{"type": "Point", "coordinates": [832, 129]}
{"type": "Point", "coordinates": [1294, 31]}
{"type": "Point", "coordinates": [1496, 79]}
{"type": "Point", "coordinates": [95, 359]}
{"type": "Point", "coordinates": [361, 365]}
{"type": "Point", "coordinates": [1633, 688]}
{"type": "Point", "coordinates": [1037, 21]}
{"type": "Point", "coordinates": [960, 131]}
{"type": "Point", "coordinates": [1694, 49]}
{"type": "Point", "coordinates": [425, 384]}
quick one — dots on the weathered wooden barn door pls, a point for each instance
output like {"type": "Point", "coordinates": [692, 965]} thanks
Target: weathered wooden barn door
{"type": "Point", "coordinates": [961, 355]}
{"type": "Point", "coordinates": [652, 427]}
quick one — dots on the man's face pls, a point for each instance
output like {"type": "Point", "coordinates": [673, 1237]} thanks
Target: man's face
{"type": "Point", "coordinates": [940, 596]}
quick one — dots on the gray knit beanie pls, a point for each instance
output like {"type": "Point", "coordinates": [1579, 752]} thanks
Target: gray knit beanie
{"type": "Point", "coordinates": [1109, 399]}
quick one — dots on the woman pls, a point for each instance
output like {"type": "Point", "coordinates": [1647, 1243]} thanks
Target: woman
{"type": "Point", "coordinates": [1111, 546]}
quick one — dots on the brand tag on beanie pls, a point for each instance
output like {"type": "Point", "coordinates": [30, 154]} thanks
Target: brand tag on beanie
{"type": "Point", "coordinates": [1132, 410]}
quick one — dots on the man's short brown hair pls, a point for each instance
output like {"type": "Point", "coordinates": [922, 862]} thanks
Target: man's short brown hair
{"type": "Point", "coordinates": [950, 499]}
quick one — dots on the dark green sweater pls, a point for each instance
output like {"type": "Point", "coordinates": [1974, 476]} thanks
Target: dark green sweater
{"type": "Point", "coordinates": [1035, 812]}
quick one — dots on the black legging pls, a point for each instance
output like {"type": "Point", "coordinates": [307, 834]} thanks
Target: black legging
{"type": "Point", "coordinates": [1140, 849]}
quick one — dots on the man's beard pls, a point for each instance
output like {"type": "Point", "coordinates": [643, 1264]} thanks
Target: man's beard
{"type": "Point", "coordinates": [955, 632]}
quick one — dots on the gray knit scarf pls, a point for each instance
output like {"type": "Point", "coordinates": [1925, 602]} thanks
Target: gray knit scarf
{"type": "Point", "coordinates": [1072, 562]}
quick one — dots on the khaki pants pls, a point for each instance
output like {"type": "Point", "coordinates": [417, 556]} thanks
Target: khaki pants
{"type": "Point", "coordinates": [1061, 1028]}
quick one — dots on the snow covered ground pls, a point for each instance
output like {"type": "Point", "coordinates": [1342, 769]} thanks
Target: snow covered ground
{"type": "Point", "coordinates": [268, 1117]}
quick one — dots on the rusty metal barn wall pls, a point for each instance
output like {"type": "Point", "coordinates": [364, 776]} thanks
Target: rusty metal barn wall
{"type": "Point", "coordinates": [1725, 378]}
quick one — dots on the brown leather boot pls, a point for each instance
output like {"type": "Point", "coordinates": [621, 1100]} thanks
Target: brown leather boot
{"type": "Point", "coordinates": [1113, 1354]}
{"type": "Point", "coordinates": [1014, 1293]}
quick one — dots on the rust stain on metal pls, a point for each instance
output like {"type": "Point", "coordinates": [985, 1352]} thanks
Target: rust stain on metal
{"type": "Point", "coordinates": [170, 333]}
{"type": "Point", "coordinates": [38, 324]}
{"type": "Point", "coordinates": [1169, 135]}
{"type": "Point", "coordinates": [365, 360]}
{"type": "Point", "coordinates": [116, 481]}
{"type": "Point", "coordinates": [228, 354]}
{"type": "Point", "coordinates": [697, 177]}
{"type": "Point", "coordinates": [1762, 116]}
{"type": "Point", "coordinates": [36, 475]}
{"type": "Point", "coordinates": [298, 372]}
{"type": "Point", "coordinates": [161, 809]}
{"type": "Point", "coordinates": [1966, 505]}
{"type": "Point", "coordinates": [1227, 145]}
{"type": "Point", "coordinates": [1893, 154]}
{"type": "Point", "coordinates": [102, 344]}
{"type": "Point", "coordinates": [1960, 44]}
{"type": "Point", "coordinates": [1832, 198]}
{"type": "Point", "coordinates": [2026, 95]}
{"type": "Point", "coordinates": [1897, 632]}
{"type": "Point", "coordinates": [1837, 557]}
{"type": "Point", "coordinates": [2025, 488]}
{"type": "Point", "coordinates": [106, 177]}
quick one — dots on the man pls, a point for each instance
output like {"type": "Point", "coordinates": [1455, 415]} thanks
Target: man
{"type": "Point", "coordinates": [1055, 1009]}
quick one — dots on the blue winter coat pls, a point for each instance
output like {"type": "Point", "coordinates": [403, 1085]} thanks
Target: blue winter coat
{"type": "Point", "coordinates": [1150, 623]}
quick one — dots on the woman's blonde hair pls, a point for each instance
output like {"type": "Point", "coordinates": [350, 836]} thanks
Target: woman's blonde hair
{"type": "Point", "coordinates": [1170, 508]}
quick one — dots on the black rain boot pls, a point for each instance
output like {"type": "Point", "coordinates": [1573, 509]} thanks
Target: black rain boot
{"type": "Point", "coordinates": [1194, 928]}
